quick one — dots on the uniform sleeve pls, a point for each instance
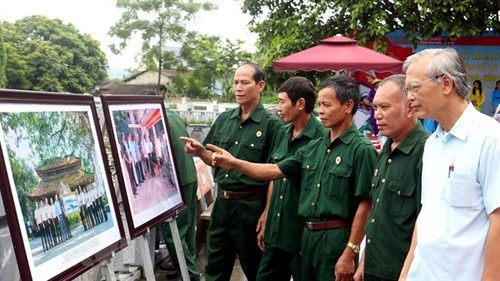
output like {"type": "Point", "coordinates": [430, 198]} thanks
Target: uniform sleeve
{"type": "Point", "coordinates": [292, 166]}
{"type": "Point", "coordinates": [274, 129]}
{"type": "Point", "coordinates": [209, 138]}
{"type": "Point", "coordinates": [365, 161]}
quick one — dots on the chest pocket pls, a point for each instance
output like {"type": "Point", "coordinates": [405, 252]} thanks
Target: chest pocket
{"type": "Point", "coordinates": [338, 182]}
{"type": "Point", "coordinates": [222, 142]}
{"type": "Point", "coordinates": [277, 157]}
{"type": "Point", "coordinates": [254, 149]}
{"type": "Point", "coordinates": [310, 175]}
{"type": "Point", "coordinates": [464, 192]}
{"type": "Point", "coordinates": [399, 199]}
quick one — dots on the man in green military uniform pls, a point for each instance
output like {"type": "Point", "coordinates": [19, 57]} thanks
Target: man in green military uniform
{"type": "Point", "coordinates": [248, 132]}
{"type": "Point", "coordinates": [186, 218]}
{"type": "Point", "coordinates": [396, 184]}
{"type": "Point", "coordinates": [334, 172]}
{"type": "Point", "coordinates": [280, 238]}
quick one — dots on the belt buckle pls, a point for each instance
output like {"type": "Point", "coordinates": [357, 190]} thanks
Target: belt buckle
{"type": "Point", "coordinates": [224, 194]}
{"type": "Point", "coordinates": [309, 225]}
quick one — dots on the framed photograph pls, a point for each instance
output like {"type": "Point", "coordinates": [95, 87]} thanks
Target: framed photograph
{"type": "Point", "coordinates": [144, 159]}
{"type": "Point", "coordinates": [56, 186]}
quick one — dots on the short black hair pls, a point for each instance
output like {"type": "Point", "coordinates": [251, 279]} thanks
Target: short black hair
{"type": "Point", "coordinates": [298, 87]}
{"type": "Point", "coordinates": [345, 88]}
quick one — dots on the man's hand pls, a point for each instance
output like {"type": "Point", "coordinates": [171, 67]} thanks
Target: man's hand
{"type": "Point", "coordinates": [344, 269]}
{"type": "Point", "coordinates": [221, 157]}
{"type": "Point", "coordinates": [192, 146]}
{"type": "Point", "coordinates": [261, 226]}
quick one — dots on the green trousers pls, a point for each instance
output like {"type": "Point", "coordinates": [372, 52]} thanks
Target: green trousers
{"type": "Point", "coordinates": [186, 223]}
{"type": "Point", "coordinates": [279, 265]}
{"type": "Point", "coordinates": [320, 251]}
{"type": "Point", "coordinates": [232, 233]}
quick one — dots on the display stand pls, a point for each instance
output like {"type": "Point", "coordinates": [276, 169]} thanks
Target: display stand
{"type": "Point", "coordinates": [107, 270]}
{"type": "Point", "coordinates": [178, 248]}
{"type": "Point", "coordinates": [146, 256]}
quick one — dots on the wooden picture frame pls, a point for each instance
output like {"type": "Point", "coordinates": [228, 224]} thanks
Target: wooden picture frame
{"type": "Point", "coordinates": [51, 148]}
{"type": "Point", "coordinates": [144, 160]}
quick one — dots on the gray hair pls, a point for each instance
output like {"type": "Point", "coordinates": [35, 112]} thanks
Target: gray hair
{"type": "Point", "coordinates": [399, 80]}
{"type": "Point", "coordinates": [443, 62]}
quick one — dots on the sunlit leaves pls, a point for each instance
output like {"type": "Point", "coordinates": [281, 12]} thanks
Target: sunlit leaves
{"type": "Point", "coordinates": [47, 55]}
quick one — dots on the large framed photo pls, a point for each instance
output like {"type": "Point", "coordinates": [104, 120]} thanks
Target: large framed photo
{"type": "Point", "coordinates": [56, 185]}
{"type": "Point", "coordinates": [144, 159]}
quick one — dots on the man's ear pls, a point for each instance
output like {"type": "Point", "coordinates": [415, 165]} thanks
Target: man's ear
{"type": "Point", "coordinates": [447, 84]}
{"type": "Point", "coordinates": [410, 111]}
{"type": "Point", "coordinates": [301, 104]}
{"type": "Point", "coordinates": [349, 105]}
{"type": "Point", "coordinates": [261, 85]}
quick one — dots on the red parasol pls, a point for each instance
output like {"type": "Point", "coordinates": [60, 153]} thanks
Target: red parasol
{"type": "Point", "coordinates": [338, 53]}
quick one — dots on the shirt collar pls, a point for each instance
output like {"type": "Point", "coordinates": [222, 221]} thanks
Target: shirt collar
{"type": "Point", "coordinates": [346, 137]}
{"type": "Point", "coordinates": [409, 142]}
{"type": "Point", "coordinates": [309, 130]}
{"type": "Point", "coordinates": [256, 114]}
{"type": "Point", "coordinates": [463, 125]}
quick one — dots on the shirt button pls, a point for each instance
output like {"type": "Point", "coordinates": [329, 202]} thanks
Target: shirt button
{"type": "Point", "coordinates": [307, 166]}
{"type": "Point", "coordinates": [236, 142]}
{"type": "Point", "coordinates": [281, 197]}
{"type": "Point", "coordinates": [328, 151]}
{"type": "Point", "coordinates": [312, 203]}
{"type": "Point", "coordinates": [368, 241]}
{"type": "Point", "coordinates": [373, 185]}
{"type": "Point", "coordinates": [373, 221]}
{"type": "Point", "coordinates": [399, 192]}
{"type": "Point", "coordinates": [383, 180]}
{"type": "Point", "coordinates": [275, 158]}
{"type": "Point", "coordinates": [241, 127]}
{"type": "Point", "coordinates": [284, 179]}
{"type": "Point", "coordinates": [252, 145]}
{"type": "Point", "coordinates": [318, 185]}
{"type": "Point", "coordinates": [389, 161]}
{"type": "Point", "coordinates": [378, 200]}
{"type": "Point", "coordinates": [278, 214]}
{"type": "Point", "coordinates": [376, 172]}
{"type": "Point", "coordinates": [227, 175]}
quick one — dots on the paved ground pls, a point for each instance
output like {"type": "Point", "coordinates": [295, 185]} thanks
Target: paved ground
{"type": "Point", "coordinates": [202, 261]}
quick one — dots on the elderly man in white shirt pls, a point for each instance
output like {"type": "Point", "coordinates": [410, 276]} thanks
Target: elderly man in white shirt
{"type": "Point", "coordinates": [457, 236]}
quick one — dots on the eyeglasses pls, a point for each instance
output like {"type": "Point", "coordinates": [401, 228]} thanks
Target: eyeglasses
{"type": "Point", "coordinates": [415, 87]}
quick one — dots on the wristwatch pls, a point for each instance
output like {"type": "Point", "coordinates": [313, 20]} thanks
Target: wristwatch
{"type": "Point", "coordinates": [353, 247]}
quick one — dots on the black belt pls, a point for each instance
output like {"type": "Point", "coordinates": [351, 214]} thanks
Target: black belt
{"type": "Point", "coordinates": [326, 224]}
{"type": "Point", "coordinates": [244, 194]}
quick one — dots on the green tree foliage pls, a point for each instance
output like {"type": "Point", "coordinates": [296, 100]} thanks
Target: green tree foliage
{"type": "Point", "coordinates": [25, 181]}
{"type": "Point", "coordinates": [50, 134]}
{"type": "Point", "coordinates": [3, 61]}
{"type": "Point", "coordinates": [47, 55]}
{"type": "Point", "coordinates": [33, 138]}
{"type": "Point", "coordinates": [203, 60]}
{"type": "Point", "coordinates": [156, 21]}
{"type": "Point", "coordinates": [287, 26]}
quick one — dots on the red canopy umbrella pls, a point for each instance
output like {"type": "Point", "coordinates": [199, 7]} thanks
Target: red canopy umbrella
{"type": "Point", "coordinates": [337, 53]}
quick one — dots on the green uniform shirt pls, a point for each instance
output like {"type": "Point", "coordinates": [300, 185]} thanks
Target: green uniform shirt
{"type": "Point", "coordinates": [284, 226]}
{"type": "Point", "coordinates": [249, 140]}
{"type": "Point", "coordinates": [332, 174]}
{"type": "Point", "coordinates": [396, 187]}
{"type": "Point", "coordinates": [184, 161]}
